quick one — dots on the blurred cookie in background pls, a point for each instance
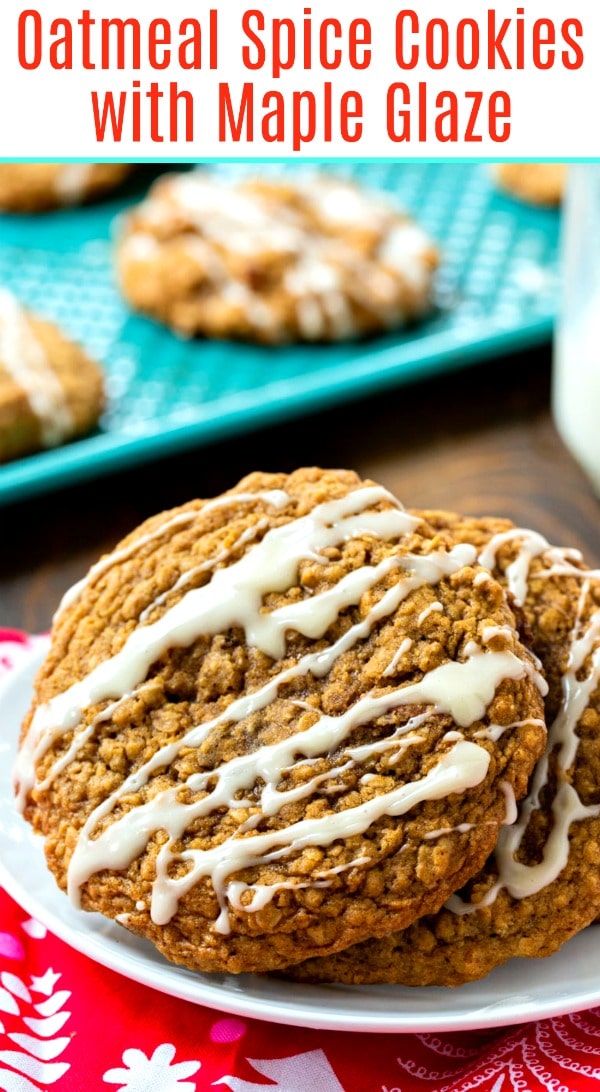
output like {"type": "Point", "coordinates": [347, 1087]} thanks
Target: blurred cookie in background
{"type": "Point", "coordinates": [37, 187]}
{"type": "Point", "coordinates": [275, 261]}
{"type": "Point", "coordinates": [50, 390]}
{"type": "Point", "coordinates": [536, 183]}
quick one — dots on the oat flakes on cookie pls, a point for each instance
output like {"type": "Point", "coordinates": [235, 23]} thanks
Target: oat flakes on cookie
{"type": "Point", "coordinates": [542, 884]}
{"type": "Point", "coordinates": [50, 390]}
{"type": "Point", "coordinates": [257, 715]}
{"type": "Point", "coordinates": [37, 187]}
{"type": "Point", "coordinates": [312, 260]}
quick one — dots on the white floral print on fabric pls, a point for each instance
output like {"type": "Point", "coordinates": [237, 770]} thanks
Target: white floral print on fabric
{"type": "Point", "coordinates": [34, 929]}
{"type": "Point", "coordinates": [155, 1074]}
{"type": "Point", "coordinates": [33, 1064]}
{"type": "Point", "coordinates": [295, 1074]}
{"type": "Point", "coordinates": [549, 1056]}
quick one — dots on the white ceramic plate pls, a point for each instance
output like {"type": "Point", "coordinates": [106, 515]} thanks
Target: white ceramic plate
{"type": "Point", "coordinates": [521, 990]}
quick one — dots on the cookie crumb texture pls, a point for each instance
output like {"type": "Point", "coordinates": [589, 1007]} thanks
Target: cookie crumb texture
{"type": "Point", "coordinates": [50, 389]}
{"type": "Point", "coordinates": [542, 883]}
{"type": "Point", "coordinates": [274, 262]}
{"type": "Point", "coordinates": [39, 187]}
{"type": "Point", "coordinates": [258, 715]}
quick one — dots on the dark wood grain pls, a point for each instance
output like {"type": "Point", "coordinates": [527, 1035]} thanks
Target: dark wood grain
{"type": "Point", "coordinates": [480, 441]}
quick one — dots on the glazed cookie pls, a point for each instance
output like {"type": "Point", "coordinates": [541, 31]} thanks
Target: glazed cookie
{"type": "Point", "coordinates": [536, 183]}
{"type": "Point", "coordinates": [36, 187]}
{"type": "Point", "coordinates": [50, 390]}
{"type": "Point", "coordinates": [314, 260]}
{"type": "Point", "coordinates": [542, 884]}
{"type": "Point", "coordinates": [259, 712]}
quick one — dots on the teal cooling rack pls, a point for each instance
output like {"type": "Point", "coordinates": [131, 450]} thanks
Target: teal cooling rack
{"type": "Point", "coordinates": [495, 292]}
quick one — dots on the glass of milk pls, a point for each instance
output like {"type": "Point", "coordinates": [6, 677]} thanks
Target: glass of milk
{"type": "Point", "coordinates": [576, 380]}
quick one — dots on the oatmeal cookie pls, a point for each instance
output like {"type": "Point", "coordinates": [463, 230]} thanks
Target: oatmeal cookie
{"type": "Point", "coordinates": [50, 390]}
{"type": "Point", "coordinates": [257, 714]}
{"type": "Point", "coordinates": [542, 884]}
{"type": "Point", "coordinates": [37, 187]}
{"type": "Point", "coordinates": [272, 261]}
{"type": "Point", "coordinates": [536, 183]}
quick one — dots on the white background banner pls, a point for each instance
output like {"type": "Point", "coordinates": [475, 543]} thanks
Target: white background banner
{"type": "Point", "coordinates": [184, 78]}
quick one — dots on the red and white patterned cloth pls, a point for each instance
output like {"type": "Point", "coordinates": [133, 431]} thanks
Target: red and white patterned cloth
{"type": "Point", "coordinates": [69, 1025]}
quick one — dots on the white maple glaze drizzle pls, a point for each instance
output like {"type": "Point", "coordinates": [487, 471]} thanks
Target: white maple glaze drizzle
{"type": "Point", "coordinates": [72, 180]}
{"type": "Point", "coordinates": [277, 498]}
{"type": "Point", "coordinates": [316, 287]}
{"type": "Point", "coordinates": [233, 597]}
{"type": "Point", "coordinates": [263, 893]}
{"type": "Point", "coordinates": [532, 545]}
{"type": "Point", "coordinates": [433, 608]}
{"type": "Point", "coordinates": [401, 651]}
{"type": "Point", "coordinates": [77, 743]}
{"type": "Point", "coordinates": [490, 632]}
{"type": "Point", "coordinates": [461, 689]}
{"type": "Point", "coordinates": [23, 357]}
{"type": "Point", "coordinates": [519, 879]}
{"type": "Point", "coordinates": [236, 219]}
{"type": "Point", "coordinates": [211, 563]}
{"type": "Point", "coordinates": [509, 818]}
{"type": "Point", "coordinates": [481, 579]}
{"type": "Point", "coordinates": [338, 202]}
{"type": "Point", "coordinates": [558, 561]}
{"type": "Point", "coordinates": [403, 252]}
{"type": "Point", "coordinates": [511, 814]}
{"type": "Point", "coordinates": [512, 811]}
{"type": "Point", "coordinates": [494, 732]}
{"type": "Point", "coordinates": [317, 663]}
{"type": "Point", "coordinates": [460, 828]}
{"type": "Point", "coordinates": [339, 314]}
{"type": "Point", "coordinates": [562, 566]}
{"type": "Point", "coordinates": [464, 766]}
{"type": "Point", "coordinates": [141, 247]}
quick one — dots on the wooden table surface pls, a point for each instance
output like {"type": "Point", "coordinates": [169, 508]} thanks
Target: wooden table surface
{"type": "Point", "coordinates": [480, 441]}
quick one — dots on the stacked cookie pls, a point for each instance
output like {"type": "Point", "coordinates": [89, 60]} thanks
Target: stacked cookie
{"type": "Point", "coordinates": [541, 884]}
{"type": "Point", "coordinates": [280, 730]}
